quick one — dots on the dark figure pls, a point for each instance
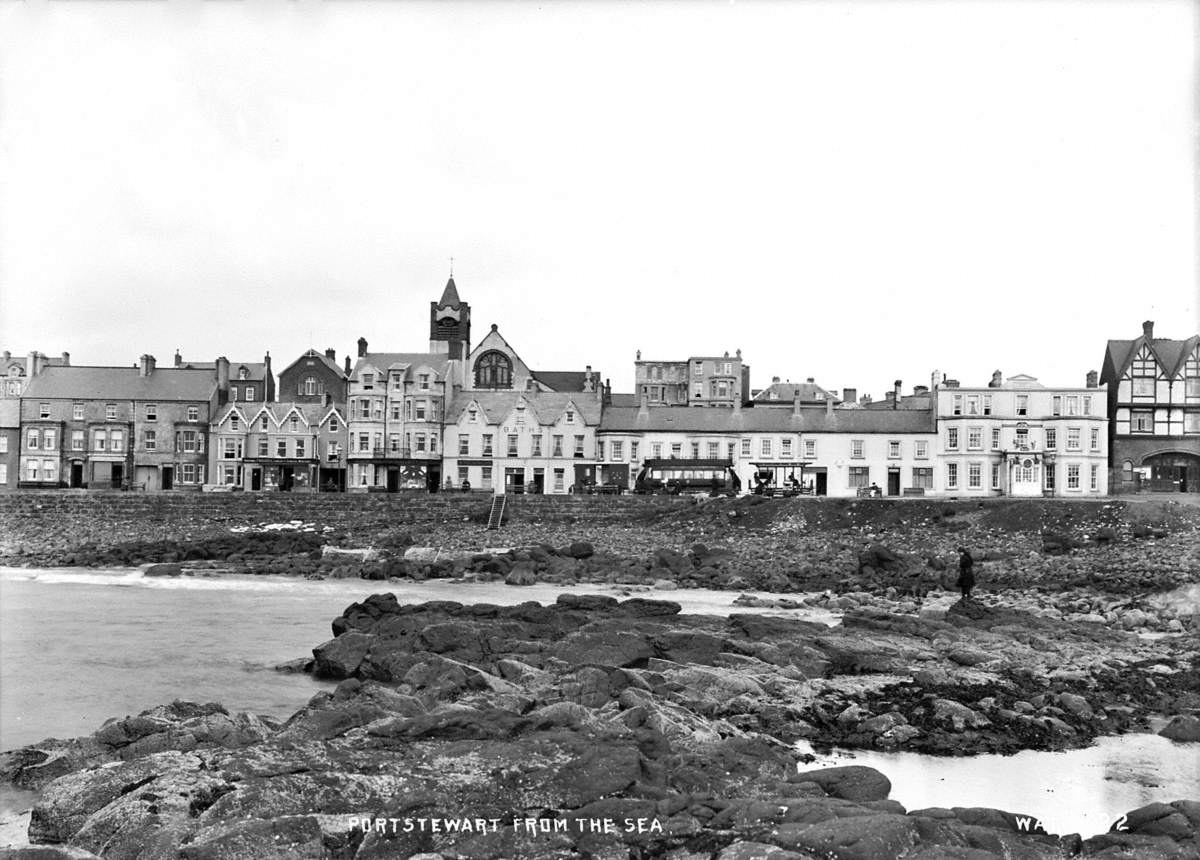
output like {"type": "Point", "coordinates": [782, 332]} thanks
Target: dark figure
{"type": "Point", "coordinates": [466, 486]}
{"type": "Point", "coordinates": [966, 572]}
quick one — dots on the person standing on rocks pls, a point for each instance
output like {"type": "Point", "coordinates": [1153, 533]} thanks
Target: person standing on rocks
{"type": "Point", "coordinates": [966, 572]}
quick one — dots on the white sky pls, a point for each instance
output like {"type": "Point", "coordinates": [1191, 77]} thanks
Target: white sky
{"type": "Point", "coordinates": [857, 192]}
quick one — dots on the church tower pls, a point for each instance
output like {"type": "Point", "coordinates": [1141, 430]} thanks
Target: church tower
{"type": "Point", "coordinates": [450, 324]}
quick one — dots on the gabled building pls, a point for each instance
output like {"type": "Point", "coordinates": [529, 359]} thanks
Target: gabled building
{"type": "Point", "coordinates": [15, 373]}
{"type": "Point", "coordinates": [697, 381]}
{"type": "Point", "coordinates": [786, 393]}
{"type": "Point", "coordinates": [315, 377]}
{"type": "Point", "coordinates": [244, 381]}
{"type": "Point", "coordinates": [1018, 437]}
{"type": "Point", "coordinates": [291, 447]}
{"type": "Point", "coordinates": [1153, 387]}
{"type": "Point", "coordinates": [117, 427]}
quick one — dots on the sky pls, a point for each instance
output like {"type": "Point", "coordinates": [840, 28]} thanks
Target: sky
{"type": "Point", "coordinates": [856, 192]}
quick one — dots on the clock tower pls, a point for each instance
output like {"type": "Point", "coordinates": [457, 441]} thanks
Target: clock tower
{"type": "Point", "coordinates": [450, 324]}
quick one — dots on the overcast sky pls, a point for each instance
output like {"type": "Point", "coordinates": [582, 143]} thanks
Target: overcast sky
{"type": "Point", "coordinates": [856, 192]}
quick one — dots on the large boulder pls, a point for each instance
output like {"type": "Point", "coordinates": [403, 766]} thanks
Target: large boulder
{"type": "Point", "coordinates": [850, 782]}
{"type": "Point", "coordinates": [1184, 727]}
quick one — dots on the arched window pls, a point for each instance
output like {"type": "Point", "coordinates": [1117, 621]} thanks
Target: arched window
{"type": "Point", "coordinates": [1127, 467]}
{"type": "Point", "coordinates": [493, 370]}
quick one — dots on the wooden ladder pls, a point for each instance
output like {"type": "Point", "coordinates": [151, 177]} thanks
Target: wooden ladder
{"type": "Point", "coordinates": [496, 516]}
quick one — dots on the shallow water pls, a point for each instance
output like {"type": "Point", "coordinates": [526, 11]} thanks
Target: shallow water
{"type": "Point", "coordinates": [1077, 791]}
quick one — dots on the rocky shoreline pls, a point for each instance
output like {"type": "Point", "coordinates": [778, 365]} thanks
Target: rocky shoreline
{"type": "Point", "coordinates": [594, 709]}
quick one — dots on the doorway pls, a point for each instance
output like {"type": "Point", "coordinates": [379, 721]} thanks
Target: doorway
{"type": "Point", "coordinates": [256, 479]}
{"type": "Point", "coordinates": [893, 487]}
{"type": "Point", "coordinates": [118, 475]}
{"type": "Point", "coordinates": [287, 478]}
{"type": "Point", "coordinates": [539, 481]}
{"type": "Point", "coordinates": [393, 480]}
{"type": "Point", "coordinates": [168, 477]}
{"type": "Point", "coordinates": [514, 480]}
{"type": "Point", "coordinates": [77, 475]}
{"type": "Point", "coordinates": [822, 483]}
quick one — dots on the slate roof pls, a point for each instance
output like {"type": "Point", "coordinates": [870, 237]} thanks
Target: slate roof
{"type": "Point", "coordinates": [619, 400]}
{"type": "Point", "coordinates": [565, 380]}
{"type": "Point", "coordinates": [1171, 354]}
{"type": "Point", "coordinates": [20, 361]}
{"type": "Point", "coordinates": [450, 295]}
{"type": "Point", "coordinates": [255, 370]}
{"type": "Point", "coordinates": [785, 392]}
{"type": "Point", "coordinates": [547, 406]}
{"type": "Point", "coordinates": [907, 401]}
{"type": "Point", "coordinates": [437, 361]}
{"type": "Point", "coordinates": [122, 383]}
{"type": "Point", "coordinates": [320, 356]}
{"type": "Point", "coordinates": [814, 419]}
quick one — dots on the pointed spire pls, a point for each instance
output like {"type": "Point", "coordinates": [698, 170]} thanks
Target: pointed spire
{"type": "Point", "coordinates": [450, 295]}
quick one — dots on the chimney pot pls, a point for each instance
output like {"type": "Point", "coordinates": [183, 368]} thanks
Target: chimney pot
{"type": "Point", "coordinates": [639, 355]}
{"type": "Point", "coordinates": [811, 380]}
{"type": "Point", "coordinates": [829, 404]}
{"type": "Point", "coordinates": [1148, 329]}
{"type": "Point", "coordinates": [7, 355]}
{"type": "Point", "coordinates": [178, 358]}
{"type": "Point", "coordinates": [66, 358]}
{"type": "Point", "coordinates": [849, 395]}
{"type": "Point", "coordinates": [331, 354]}
{"type": "Point", "coordinates": [362, 347]}
{"type": "Point", "coordinates": [347, 365]}
{"type": "Point", "coordinates": [774, 380]}
{"type": "Point", "coordinates": [146, 365]}
{"type": "Point", "coordinates": [739, 353]}
{"type": "Point", "coordinates": [1092, 379]}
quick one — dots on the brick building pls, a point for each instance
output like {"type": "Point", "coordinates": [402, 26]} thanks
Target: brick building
{"type": "Point", "coordinates": [15, 373]}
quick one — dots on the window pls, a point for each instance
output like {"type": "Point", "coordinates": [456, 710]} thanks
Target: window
{"type": "Point", "coordinates": [308, 387]}
{"type": "Point", "coordinates": [558, 479]}
{"type": "Point", "coordinates": [31, 469]}
{"type": "Point", "coordinates": [1072, 438]}
{"type": "Point", "coordinates": [860, 476]}
{"type": "Point", "coordinates": [76, 440]}
{"type": "Point", "coordinates": [1094, 438]}
{"type": "Point", "coordinates": [301, 448]}
{"type": "Point", "coordinates": [974, 438]}
{"type": "Point", "coordinates": [228, 448]}
{"type": "Point", "coordinates": [512, 444]}
{"type": "Point", "coordinates": [973, 404]}
{"type": "Point", "coordinates": [422, 381]}
{"type": "Point", "coordinates": [394, 443]}
{"type": "Point", "coordinates": [676, 450]}
{"type": "Point", "coordinates": [364, 441]}
{"type": "Point", "coordinates": [233, 393]}
{"type": "Point", "coordinates": [281, 447]}
{"type": "Point", "coordinates": [228, 475]}
{"type": "Point", "coordinates": [77, 411]}
{"type": "Point", "coordinates": [785, 447]}
{"type": "Point", "coordinates": [995, 438]}
{"type": "Point", "coordinates": [99, 440]}
{"type": "Point", "coordinates": [656, 450]}
{"type": "Point", "coordinates": [1048, 478]}
{"type": "Point", "coordinates": [189, 473]}
{"type": "Point", "coordinates": [233, 422]}
{"type": "Point", "coordinates": [1141, 421]}
{"type": "Point", "coordinates": [472, 415]}
{"type": "Point", "coordinates": [1087, 404]}
{"type": "Point", "coordinates": [193, 413]}
{"type": "Point", "coordinates": [578, 446]}
{"type": "Point", "coordinates": [1073, 477]}
{"type": "Point", "coordinates": [1022, 439]}
{"type": "Point", "coordinates": [995, 476]}
{"type": "Point", "coordinates": [33, 440]}
{"type": "Point", "coordinates": [464, 445]}
{"type": "Point", "coordinates": [44, 410]}
{"type": "Point", "coordinates": [263, 447]}
{"type": "Point", "coordinates": [493, 370]}
{"type": "Point", "coordinates": [957, 404]}
{"type": "Point", "coordinates": [332, 449]}
{"type": "Point", "coordinates": [922, 477]}
{"type": "Point", "coordinates": [1022, 404]}
{"type": "Point", "coordinates": [1056, 405]}
{"type": "Point", "coordinates": [695, 450]}
{"type": "Point", "coordinates": [110, 411]}
{"type": "Point", "coordinates": [520, 416]}
{"type": "Point", "coordinates": [294, 424]}
{"type": "Point", "coordinates": [699, 392]}
{"type": "Point", "coordinates": [746, 447]}
{"type": "Point", "coordinates": [952, 476]}
{"type": "Point", "coordinates": [49, 442]}
{"type": "Point", "coordinates": [810, 449]}
{"type": "Point", "coordinates": [1051, 439]}
{"type": "Point", "coordinates": [262, 425]}
{"type": "Point", "coordinates": [599, 450]}
{"type": "Point", "coordinates": [395, 411]}
{"type": "Point", "coordinates": [333, 425]}
{"type": "Point", "coordinates": [987, 404]}
{"type": "Point", "coordinates": [618, 451]}
{"type": "Point", "coordinates": [1073, 405]}
{"type": "Point", "coordinates": [698, 368]}
{"type": "Point", "coordinates": [420, 404]}
{"type": "Point", "coordinates": [1094, 479]}
{"type": "Point", "coordinates": [485, 476]}
{"type": "Point", "coordinates": [952, 438]}
{"type": "Point", "coordinates": [1191, 422]}
{"type": "Point", "coordinates": [856, 449]}
{"type": "Point", "coordinates": [714, 450]}
{"type": "Point", "coordinates": [893, 448]}
{"type": "Point", "coordinates": [3, 447]}
{"type": "Point", "coordinates": [376, 409]}
{"type": "Point", "coordinates": [368, 381]}
{"type": "Point", "coordinates": [243, 373]}
{"type": "Point", "coordinates": [487, 444]}
{"type": "Point", "coordinates": [764, 447]}
{"type": "Point", "coordinates": [570, 416]}
{"type": "Point", "coordinates": [537, 446]}
{"type": "Point", "coordinates": [463, 476]}
{"type": "Point", "coordinates": [974, 476]}
{"type": "Point", "coordinates": [397, 382]}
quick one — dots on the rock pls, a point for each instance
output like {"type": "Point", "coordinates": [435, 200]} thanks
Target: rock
{"type": "Point", "coordinates": [521, 574]}
{"type": "Point", "coordinates": [956, 716]}
{"type": "Point", "coordinates": [580, 549]}
{"type": "Point", "coordinates": [164, 569]}
{"type": "Point", "coordinates": [1076, 705]}
{"type": "Point", "coordinates": [1183, 727]}
{"type": "Point", "coordinates": [859, 837]}
{"type": "Point", "coordinates": [851, 782]}
{"type": "Point", "coordinates": [340, 657]}
{"type": "Point", "coordinates": [970, 656]}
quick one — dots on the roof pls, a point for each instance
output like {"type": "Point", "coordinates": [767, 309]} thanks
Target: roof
{"type": "Point", "coordinates": [618, 400]}
{"type": "Point", "coordinates": [122, 383]}
{"type": "Point", "coordinates": [254, 369]}
{"type": "Point", "coordinates": [907, 402]}
{"type": "Point", "coordinates": [437, 361]}
{"type": "Point", "coordinates": [565, 380]}
{"type": "Point", "coordinates": [450, 295]}
{"type": "Point", "coordinates": [547, 406]}
{"type": "Point", "coordinates": [21, 360]}
{"type": "Point", "coordinates": [690, 419]}
{"type": "Point", "coordinates": [786, 392]}
{"type": "Point", "coordinates": [1171, 354]}
{"type": "Point", "coordinates": [320, 356]}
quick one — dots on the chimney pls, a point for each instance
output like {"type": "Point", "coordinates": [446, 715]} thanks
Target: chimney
{"type": "Point", "coordinates": [849, 395]}
{"type": "Point", "coordinates": [829, 405]}
{"type": "Point", "coordinates": [865, 399]}
{"type": "Point", "coordinates": [950, 383]}
{"type": "Point", "coordinates": [739, 353]}
{"type": "Point", "coordinates": [1148, 329]}
{"type": "Point", "coordinates": [727, 353]}
{"type": "Point", "coordinates": [639, 356]}
{"type": "Point", "coordinates": [997, 378]}
{"type": "Point", "coordinates": [606, 398]}
{"type": "Point", "coordinates": [918, 390]}
{"type": "Point", "coordinates": [362, 347]}
{"type": "Point", "coordinates": [934, 379]}
{"type": "Point", "coordinates": [347, 364]}
{"type": "Point", "coordinates": [774, 380]}
{"type": "Point", "coordinates": [66, 359]}
{"type": "Point", "coordinates": [896, 394]}
{"type": "Point", "coordinates": [588, 385]}
{"type": "Point", "coordinates": [796, 404]}
{"type": "Point", "coordinates": [33, 364]}
{"type": "Point", "coordinates": [223, 373]}
{"type": "Point", "coordinates": [811, 380]}
{"type": "Point", "coordinates": [1092, 379]}
{"type": "Point", "coordinates": [178, 358]}
{"type": "Point", "coordinates": [644, 409]}
{"type": "Point", "coordinates": [267, 362]}
{"type": "Point", "coordinates": [146, 365]}
{"type": "Point", "coordinates": [331, 354]}
{"type": "Point", "coordinates": [889, 396]}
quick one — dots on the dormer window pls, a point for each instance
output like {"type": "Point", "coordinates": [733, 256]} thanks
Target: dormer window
{"type": "Point", "coordinates": [423, 381]}
{"type": "Point", "coordinates": [294, 424]}
{"type": "Point", "coordinates": [520, 416]}
{"type": "Point", "coordinates": [473, 415]}
{"type": "Point", "coordinates": [243, 373]}
{"type": "Point", "coordinates": [570, 416]}
{"type": "Point", "coordinates": [368, 380]}
{"type": "Point", "coordinates": [263, 424]}
{"type": "Point", "coordinates": [233, 422]}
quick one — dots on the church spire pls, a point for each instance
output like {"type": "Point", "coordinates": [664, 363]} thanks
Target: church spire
{"type": "Point", "coordinates": [450, 295]}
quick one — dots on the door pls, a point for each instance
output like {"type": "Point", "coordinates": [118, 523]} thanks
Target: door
{"type": "Point", "coordinates": [256, 479]}
{"type": "Point", "coordinates": [118, 475]}
{"type": "Point", "coordinates": [77, 475]}
{"type": "Point", "coordinates": [514, 480]}
{"type": "Point", "coordinates": [393, 480]}
{"type": "Point", "coordinates": [893, 488]}
{"type": "Point", "coordinates": [287, 478]}
{"type": "Point", "coordinates": [822, 483]}
{"type": "Point", "coordinates": [168, 477]}
{"type": "Point", "coordinates": [539, 481]}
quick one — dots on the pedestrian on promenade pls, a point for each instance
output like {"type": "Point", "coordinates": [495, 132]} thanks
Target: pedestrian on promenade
{"type": "Point", "coordinates": [966, 572]}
